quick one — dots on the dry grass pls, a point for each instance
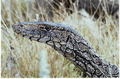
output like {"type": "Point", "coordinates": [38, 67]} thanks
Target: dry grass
{"type": "Point", "coordinates": [20, 57]}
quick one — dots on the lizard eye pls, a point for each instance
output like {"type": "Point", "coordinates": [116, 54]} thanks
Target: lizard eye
{"type": "Point", "coordinates": [21, 25]}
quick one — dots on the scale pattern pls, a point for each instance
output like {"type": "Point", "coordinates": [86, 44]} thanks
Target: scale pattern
{"type": "Point", "coordinates": [70, 44]}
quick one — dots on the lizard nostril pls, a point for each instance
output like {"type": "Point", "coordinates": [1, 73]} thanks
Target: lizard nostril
{"type": "Point", "coordinates": [13, 26]}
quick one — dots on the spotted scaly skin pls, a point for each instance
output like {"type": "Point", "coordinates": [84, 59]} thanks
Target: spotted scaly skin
{"type": "Point", "coordinates": [70, 44]}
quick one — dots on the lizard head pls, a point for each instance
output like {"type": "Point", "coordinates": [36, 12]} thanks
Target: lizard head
{"type": "Point", "coordinates": [40, 31]}
{"type": "Point", "coordinates": [33, 30]}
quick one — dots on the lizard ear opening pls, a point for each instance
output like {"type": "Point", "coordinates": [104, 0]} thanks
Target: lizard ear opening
{"type": "Point", "coordinates": [47, 28]}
